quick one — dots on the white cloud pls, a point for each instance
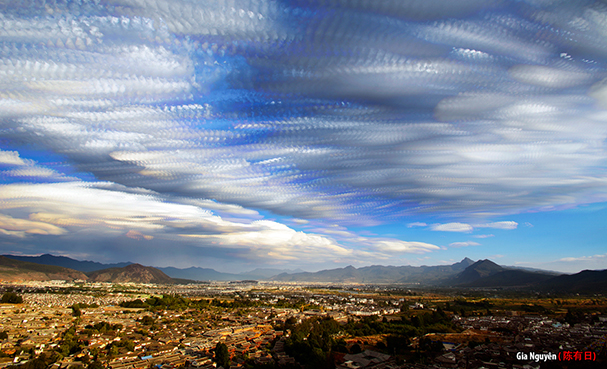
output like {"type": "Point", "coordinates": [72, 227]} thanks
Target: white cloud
{"type": "Point", "coordinates": [416, 224]}
{"type": "Point", "coordinates": [398, 246]}
{"type": "Point", "coordinates": [452, 227]}
{"type": "Point", "coordinates": [336, 232]}
{"type": "Point", "coordinates": [69, 208]}
{"type": "Point", "coordinates": [585, 258]}
{"type": "Point", "coordinates": [300, 221]}
{"type": "Point", "coordinates": [22, 227]}
{"type": "Point", "coordinates": [483, 236]}
{"type": "Point", "coordinates": [146, 93]}
{"type": "Point", "coordinates": [548, 76]}
{"type": "Point", "coordinates": [271, 240]}
{"type": "Point", "coordinates": [27, 167]}
{"type": "Point", "coordinates": [31, 172]}
{"type": "Point", "coordinates": [508, 225]}
{"type": "Point", "coordinates": [464, 244]}
{"type": "Point", "coordinates": [11, 158]}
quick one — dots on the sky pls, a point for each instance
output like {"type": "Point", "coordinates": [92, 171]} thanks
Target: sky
{"type": "Point", "coordinates": [240, 134]}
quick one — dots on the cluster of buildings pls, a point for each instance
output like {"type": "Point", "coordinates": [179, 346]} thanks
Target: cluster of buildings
{"type": "Point", "coordinates": [518, 342]}
{"type": "Point", "coordinates": [167, 339]}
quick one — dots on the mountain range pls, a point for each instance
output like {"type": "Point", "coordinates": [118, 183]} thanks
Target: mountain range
{"type": "Point", "coordinates": [12, 270]}
{"type": "Point", "coordinates": [464, 274]}
{"type": "Point", "coordinates": [380, 274]}
{"type": "Point", "coordinates": [63, 261]}
{"type": "Point", "coordinates": [192, 273]}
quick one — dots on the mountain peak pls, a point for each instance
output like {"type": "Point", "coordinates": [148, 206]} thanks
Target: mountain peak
{"type": "Point", "coordinates": [487, 264]}
{"type": "Point", "coordinates": [131, 273]}
{"type": "Point", "coordinates": [480, 269]}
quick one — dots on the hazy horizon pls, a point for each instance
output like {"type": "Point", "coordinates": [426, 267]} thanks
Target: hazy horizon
{"type": "Point", "coordinates": [241, 134]}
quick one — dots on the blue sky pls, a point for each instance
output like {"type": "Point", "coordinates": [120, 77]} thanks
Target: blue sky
{"type": "Point", "coordinates": [243, 134]}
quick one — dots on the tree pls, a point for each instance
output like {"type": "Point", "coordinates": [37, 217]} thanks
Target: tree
{"type": "Point", "coordinates": [76, 310]}
{"type": "Point", "coordinates": [147, 320]}
{"type": "Point", "coordinates": [397, 344]}
{"type": "Point", "coordinates": [11, 298]}
{"type": "Point", "coordinates": [95, 365]}
{"type": "Point", "coordinates": [222, 356]}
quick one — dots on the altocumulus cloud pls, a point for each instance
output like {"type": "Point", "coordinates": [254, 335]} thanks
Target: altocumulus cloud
{"type": "Point", "coordinates": [348, 113]}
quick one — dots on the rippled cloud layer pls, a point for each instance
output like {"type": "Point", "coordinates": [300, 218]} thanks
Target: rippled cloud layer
{"type": "Point", "coordinates": [357, 114]}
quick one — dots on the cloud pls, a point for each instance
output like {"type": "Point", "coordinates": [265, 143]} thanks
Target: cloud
{"type": "Point", "coordinates": [416, 224]}
{"type": "Point", "coordinates": [275, 241]}
{"type": "Point", "coordinates": [27, 168]}
{"type": "Point", "coordinates": [452, 227]}
{"type": "Point", "coordinates": [300, 221]}
{"type": "Point", "coordinates": [420, 108]}
{"type": "Point", "coordinates": [398, 246]}
{"type": "Point", "coordinates": [573, 264]}
{"type": "Point", "coordinates": [508, 225]}
{"type": "Point", "coordinates": [77, 209]}
{"type": "Point", "coordinates": [136, 235]}
{"type": "Point", "coordinates": [483, 236]}
{"type": "Point", "coordinates": [464, 244]}
{"type": "Point", "coordinates": [549, 77]}
{"type": "Point", "coordinates": [22, 227]}
{"type": "Point", "coordinates": [585, 258]}
{"type": "Point", "coordinates": [31, 172]}
{"type": "Point", "coordinates": [464, 227]}
{"type": "Point", "coordinates": [11, 158]}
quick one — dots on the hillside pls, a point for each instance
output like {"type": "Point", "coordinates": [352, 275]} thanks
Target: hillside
{"type": "Point", "coordinates": [63, 261]}
{"type": "Point", "coordinates": [510, 278]}
{"type": "Point", "coordinates": [191, 274]}
{"type": "Point", "coordinates": [586, 281]}
{"type": "Point", "coordinates": [133, 273]}
{"type": "Point", "coordinates": [17, 270]}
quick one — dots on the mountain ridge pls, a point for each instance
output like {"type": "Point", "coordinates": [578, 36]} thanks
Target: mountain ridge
{"type": "Point", "coordinates": [18, 270]}
{"type": "Point", "coordinates": [464, 274]}
{"type": "Point", "coordinates": [405, 274]}
{"type": "Point", "coordinates": [84, 266]}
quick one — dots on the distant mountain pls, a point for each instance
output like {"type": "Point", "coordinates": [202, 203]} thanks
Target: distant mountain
{"type": "Point", "coordinates": [480, 269]}
{"type": "Point", "coordinates": [207, 274]}
{"type": "Point", "coordinates": [63, 261]}
{"type": "Point", "coordinates": [133, 273]}
{"type": "Point", "coordinates": [348, 274]}
{"type": "Point", "coordinates": [200, 274]}
{"type": "Point", "coordinates": [17, 270]}
{"type": "Point", "coordinates": [380, 274]}
{"type": "Point", "coordinates": [266, 273]}
{"type": "Point", "coordinates": [193, 273]}
{"type": "Point", "coordinates": [586, 281]}
{"type": "Point", "coordinates": [466, 273]}
{"type": "Point", "coordinates": [510, 278]}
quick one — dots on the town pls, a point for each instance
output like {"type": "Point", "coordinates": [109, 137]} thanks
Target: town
{"type": "Point", "coordinates": [250, 324]}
